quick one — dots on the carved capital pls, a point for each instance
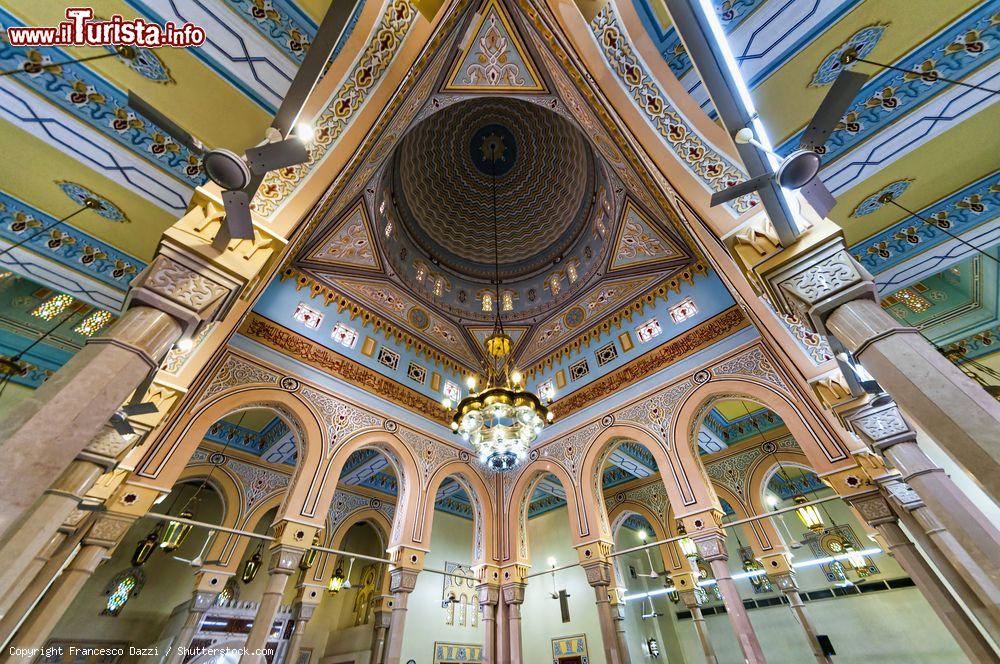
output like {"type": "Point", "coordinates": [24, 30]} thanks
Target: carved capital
{"type": "Point", "coordinates": [881, 426]}
{"type": "Point", "coordinates": [487, 574]}
{"type": "Point", "coordinates": [297, 535]}
{"type": "Point", "coordinates": [598, 550]}
{"type": "Point", "coordinates": [203, 600]}
{"type": "Point", "coordinates": [901, 492]}
{"type": "Point", "coordinates": [488, 594]}
{"type": "Point", "coordinates": [818, 280]}
{"type": "Point", "coordinates": [107, 447]}
{"type": "Point", "coordinates": [873, 508]}
{"type": "Point", "coordinates": [284, 559]}
{"type": "Point", "coordinates": [598, 573]}
{"type": "Point", "coordinates": [785, 581]}
{"type": "Point", "coordinates": [403, 581]}
{"type": "Point", "coordinates": [181, 290]}
{"type": "Point", "coordinates": [513, 593]}
{"type": "Point", "coordinates": [108, 530]}
{"type": "Point", "coordinates": [711, 546]}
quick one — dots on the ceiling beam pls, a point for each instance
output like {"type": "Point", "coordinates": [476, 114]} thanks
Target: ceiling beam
{"type": "Point", "coordinates": [700, 41]}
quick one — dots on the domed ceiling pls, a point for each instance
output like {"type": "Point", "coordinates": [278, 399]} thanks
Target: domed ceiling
{"type": "Point", "coordinates": [443, 183]}
{"type": "Point", "coordinates": [580, 237]}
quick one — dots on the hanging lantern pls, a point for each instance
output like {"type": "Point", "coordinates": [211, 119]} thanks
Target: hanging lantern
{"type": "Point", "coordinates": [758, 579]}
{"type": "Point", "coordinates": [337, 580]}
{"type": "Point", "coordinates": [857, 561]}
{"type": "Point", "coordinates": [809, 514]}
{"type": "Point", "coordinates": [672, 593]}
{"type": "Point", "coordinates": [252, 565]}
{"type": "Point", "coordinates": [309, 557]}
{"type": "Point", "coordinates": [144, 549]}
{"type": "Point", "coordinates": [688, 547]}
{"type": "Point", "coordinates": [176, 532]}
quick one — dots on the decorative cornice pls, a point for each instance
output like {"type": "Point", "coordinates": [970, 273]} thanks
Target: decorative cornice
{"type": "Point", "coordinates": [711, 331]}
{"type": "Point", "coordinates": [281, 339]}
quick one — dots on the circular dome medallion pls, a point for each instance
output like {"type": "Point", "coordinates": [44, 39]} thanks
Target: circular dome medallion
{"type": "Point", "coordinates": [493, 150]}
{"type": "Point", "coordinates": [442, 183]}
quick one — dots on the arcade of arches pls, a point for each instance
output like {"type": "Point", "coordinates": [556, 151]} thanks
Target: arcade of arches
{"type": "Point", "coordinates": [773, 428]}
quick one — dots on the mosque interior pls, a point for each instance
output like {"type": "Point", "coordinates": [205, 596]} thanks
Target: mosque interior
{"type": "Point", "coordinates": [524, 331]}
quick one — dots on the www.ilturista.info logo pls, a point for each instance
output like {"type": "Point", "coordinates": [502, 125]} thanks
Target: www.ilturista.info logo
{"type": "Point", "coordinates": [80, 29]}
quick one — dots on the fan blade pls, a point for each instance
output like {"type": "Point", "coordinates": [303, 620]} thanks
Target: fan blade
{"type": "Point", "coordinates": [141, 390]}
{"type": "Point", "coordinates": [174, 130]}
{"type": "Point", "coordinates": [139, 408]}
{"type": "Point", "coordinates": [280, 154]}
{"type": "Point", "coordinates": [832, 108]}
{"type": "Point", "coordinates": [122, 426]}
{"type": "Point", "coordinates": [818, 196]}
{"type": "Point", "coordinates": [238, 221]}
{"type": "Point", "coordinates": [741, 189]}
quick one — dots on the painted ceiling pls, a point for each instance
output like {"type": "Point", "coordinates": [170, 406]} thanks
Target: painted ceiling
{"type": "Point", "coordinates": [930, 142]}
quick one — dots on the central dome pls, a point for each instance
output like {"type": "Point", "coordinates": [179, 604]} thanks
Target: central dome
{"type": "Point", "coordinates": [443, 186]}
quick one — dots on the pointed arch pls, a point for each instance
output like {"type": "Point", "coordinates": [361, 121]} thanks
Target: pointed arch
{"type": "Point", "coordinates": [484, 546]}
{"type": "Point", "coordinates": [514, 517]}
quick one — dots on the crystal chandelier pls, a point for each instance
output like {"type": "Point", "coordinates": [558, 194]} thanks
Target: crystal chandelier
{"type": "Point", "coordinates": [503, 419]}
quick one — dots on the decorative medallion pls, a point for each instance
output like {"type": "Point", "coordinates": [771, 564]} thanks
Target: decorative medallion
{"type": "Point", "coordinates": [80, 195]}
{"type": "Point", "coordinates": [145, 63]}
{"type": "Point", "coordinates": [494, 58]}
{"type": "Point", "coordinates": [419, 318]}
{"type": "Point", "coordinates": [493, 149]}
{"type": "Point", "coordinates": [862, 42]}
{"type": "Point", "coordinates": [872, 203]}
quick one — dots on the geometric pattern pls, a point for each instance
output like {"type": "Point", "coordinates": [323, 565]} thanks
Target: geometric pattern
{"type": "Point", "coordinates": [495, 58]}
{"type": "Point", "coordinates": [639, 242]}
{"type": "Point", "coordinates": [349, 242]}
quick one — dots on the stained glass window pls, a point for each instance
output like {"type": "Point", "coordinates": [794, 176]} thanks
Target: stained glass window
{"type": "Point", "coordinates": [451, 391]}
{"type": "Point", "coordinates": [93, 323]}
{"type": "Point", "coordinates": [651, 328]}
{"type": "Point", "coordinates": [508, 301]}
{"type": "Point", "coordinates": [487, 301]}
{"type": "Point", "coordinates": [52, 307]}
{"type": "Point", "coordinates": [571, 271]}
{"type": "Point", "coordinates": [344, 335]}
{"type": "Point", "coordinates": [554, 284]}
{"type": "Point", "coordinates": [123, 587]}
{"type": "Point", "coordinates": [683, 310]}
{"type": "Point", "coordinates": [308, 316]}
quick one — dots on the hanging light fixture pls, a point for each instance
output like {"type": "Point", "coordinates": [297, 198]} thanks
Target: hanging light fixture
{"type": "Point", "coordinates": [857, 561]}
{"type": "Point", "coordinates": [503, 419]}
{"type": "Point", "coordinates": [337, 580]}
{"type": "Point", "coordinates": [252, 564]}
{"type": "Point", "coordinates": [671, 590]}
{"type": "Point", "coordinates": [809, 514]}
{"type": "Point", "coordinates": [688, 547]}
{"type": "Point", "coordinates": [309, 557]}
{"type": "Point", "coordinates": [176, 532]}
{"type": "Point", "coordinates": [146, 546]}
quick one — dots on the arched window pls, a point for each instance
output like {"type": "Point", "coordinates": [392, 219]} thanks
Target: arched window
{"type": "Point", "coordinates": [124, 586]}
{"type": "Point", "coordinates": [487, 301]}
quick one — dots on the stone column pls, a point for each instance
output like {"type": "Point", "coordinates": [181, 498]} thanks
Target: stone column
{"type": "Point", "coordinates": [924, 531]}
{"type": "Point", "coordinates": [17, 586]}
{"type": "Point", "coordinates": [382, 613]}
{"type": "Point", "coordinates": [404, 568]}
{"type": "Point", "coordinates": [597, 566]}
{"type": "Point", "coordinates": [711, 543]}
{"type": "Point", "coordinates": [781, 574]}
{"type": "Point", "coordinates": [283, 563]}
{"type": "Point", "coordinates": [303, 608]}
{"type": "Point", "coordinates": [616, 596]}
{"type": "Point", "coordinates": [826, 286]}
{"type": "Point", "coordinates": [686, 584]}
{"type": "Point", "coordinates": [513, 598]}
{"type": "Point", "coordinates": [23, 543]}
{"type": "Point", "coordinates": [201, 602]}
{"type": "Point", "coordinates": [968, 539]}
{"type": "Point", "coordinates": [54, 424]}
{"type": "Point", "coordinates": [877, 511]}
{"type": "Point", "coordinates": [489, 597]}
{"type": "Point", "coordinates": [103, 536]}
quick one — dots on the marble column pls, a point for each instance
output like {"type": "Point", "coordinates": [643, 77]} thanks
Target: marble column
{"type": "Point", "coordinates": [617, 598]}
{"type": "Point", "coordinates": [382, 614]}
{"type": "Point", "coordinates": [302, 610]}
{"type": "Point", "coordinates": [16, 587]}
{"type": "Point", "coordinates": [782, 576]}
{"type": "Point", "coordinates": [22, 603]}
{"type": "Point", "coordinates": [201, 602]}
{"type": "Point", "coordinates": [923, 531]}
{"type": "Point", "coordinates": [101, 539]}
{"type": "Point", "coordinates": [53, 425]}
{"type": "Point", "coordinates": [598, 571]}
{"type": "Point", "coordinates": [969, 540]}
{"type": "Point", "coordinates": [283, 563]}
{"type": "Point", "coordinates": [691, 595]}
{"type": "Point", "coordinates": [513, 598]}
{"type": "Point", "coordinates": [40, 525]}
{"type": "Point", "coordinates": [877, 512]}
{"type": "Point", "coordinates": [712, 548]}
{"type": "Point", "coordinates": [402, 581]}
{"type": "Point", "coordinates": [489, 597]}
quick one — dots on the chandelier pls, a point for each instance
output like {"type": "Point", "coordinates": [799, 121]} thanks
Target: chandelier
{"type": "Point", "coordinates": [504, 418]}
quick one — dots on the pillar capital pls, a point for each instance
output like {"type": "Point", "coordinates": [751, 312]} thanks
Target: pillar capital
{"type": "Point", "coordinates": [880, 423]}
{"type": "Point", "coordinates": [487, 574]}
{"type": "Point", "coordinates": [308, 593]}
{"type": "Point", "coordinates": [711, 545]}
{"type": "Point", "coordinates": [594, 551]}
{"type": "Point", "coordinates": [516, 573]}
{"type": "Point", "coordinates": [108, 530]}
{"type": "Point", "coordinates": [382, 609]}
{"type": "Point", "coordinates": [406, 557]}
{"type": "Point", "coordinates": [901, 493]}
{"type": "Point", "coordinates": [132, 499]}
{"type": "Point", "coordinates": [211, 580]}
{"type": "Point", "coordinates": [284, 559]}
{"type": "Point", "coordinates": [513, 593]}
{"type": "Point", "coordinates": [489, 594]}
{"type": "Point", "coordinates": [872, 507]}
{"type": "Point", "coordinates": [779, 571]}
{"type": "Point", "coordinates": [402, 580]}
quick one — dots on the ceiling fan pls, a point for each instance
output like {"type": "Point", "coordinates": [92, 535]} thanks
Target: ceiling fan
{"type": "Point", "coordinates": [199, 560]}
{"type": "Point", "coordinates": [241, 176]}
{"type": "Point", "coordinates": [799, 170]}
{"type": "Point", "coordinates": [135, 406]}
{"type": "Point", "coordinates": [653, 613]}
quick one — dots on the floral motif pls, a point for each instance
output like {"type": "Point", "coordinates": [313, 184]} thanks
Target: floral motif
{"type": "Point", "coordinates": [493, 67]}
{"type": "Point", "coordinates": [710, 167]}
{"type": "Point", "coordinates": [147, 64]}
{"type": "Point", "coordinates": [872, 203]}
{"type": "Point", "coordinates": [862, 41]}
{"type": "Point", "coordinates": [395, 23]}
{"type": "Point", "coordinates": [258, 482]}
{"type": "Point", "coordinates": [341, 418]}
